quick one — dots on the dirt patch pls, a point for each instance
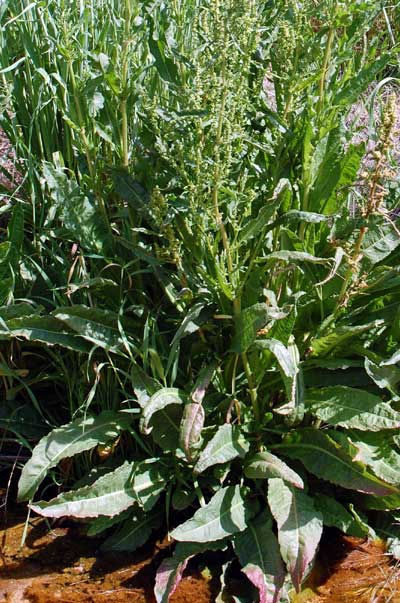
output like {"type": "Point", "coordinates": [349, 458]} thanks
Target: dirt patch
{"type": "Point", "coordinates": [63, 565]}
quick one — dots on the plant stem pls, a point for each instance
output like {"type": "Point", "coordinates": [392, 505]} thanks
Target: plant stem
{"type": "Point", "coordinates": [327, 58]}
{"type": "Point", "coordinates": [124, 81]}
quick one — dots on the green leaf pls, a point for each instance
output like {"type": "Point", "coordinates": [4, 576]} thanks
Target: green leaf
{"type": "Point", "coordinates": [44, 329]}
{"type": "Point", "coordinates": [100, 327]}
{"type": "Point", "coordinates": [299, 527]}
{"type": "Point", "coordinates": [148, 482]}
{"type": "Point", "coordinates": [335, 515]}
{"type": "Point", "coordinates": [384, 376]}
{"type": "Point", "coordinates": [355, 86]}
{"type": "Point", "coordinates": [67, 441]}
{"type": "Point", "coordinates": [339, 339]}
{"type": "Point", "coordinates": [265, 465]}
{"type": "Point", "coordinates": [378, 245]}
{"type": "Point", "coordinates": [296, 256]}
{"type": "Point", "coordinates": [256, 225]}
{"type": "Point", "coordinates": [289, 364]}
{"type": "Point", "coordinates": [225, 514]}
{"type": "Point", "coordinates": [191, 427]}
{"type": "Point", "coordinates": [158, 402]}
{"type": "Point", "coordinates": [79, 212]}
{"type": "Point", "coordinates": [102, 523]}
{"type": "Point", "coordinates": [376, 450]}
{"type": "Point", "coordinates": [333, 461]}
{"type": "Point", "coordinates": [190, 324]}
{"type": "Point", "coordinates": [248, 323]}
{"type": "Point", "coordinates": [352, 408]}
{"type": "Point", "coordinates": [170, 572]}
{"type": "Point", "coordinates": [133, 532]}
{"type": "Point", "coordinates": [258, 551]}
{"type": "Point", "coordinates": [227, 444]}
{"type": "Point", "coordinates": [109, 495]}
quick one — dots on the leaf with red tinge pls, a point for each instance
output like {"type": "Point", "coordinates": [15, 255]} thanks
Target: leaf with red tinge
{"type": "Point", "coordinates": [258, 552]}
{"type": "Point", "coordinates": [170, 572]}
{"type": "Point", "coordinates": [190, 430]}
{"type": "Point", "coordinates": [299, 527]}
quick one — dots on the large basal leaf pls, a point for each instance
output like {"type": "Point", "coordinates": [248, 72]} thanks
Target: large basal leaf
{"type": "Point", "coordinates": [333, 461]}
{"type": "Point", "coordinates": [66, 441]}
{"type": "Point", "coordinates": [265, 465]}
{"type": "Point", "coordinates": [352, 408]}
{"type": "Point", "coordinates": [299, 527]}
{"type": "Point", "coordinates": [170, 572]}
{"type": "Point", "coordinates": [258, 551]}
{"type": "Point", "coordinates": [133, 532]}
{"type": "Point", "coordinates": [377, 451]}
{"type": "Point", "coordinates": [44, 329]}
{"type": "Point", "coordinates": [100, 327]}
{"type": "Point", "coordinates": [109, 495]}
{"type": "Point", "coordinates": [148, 482]}
{"type": "Point", "coordinates": [225, 514]}
{"type": "Point", "coordinates": [336, 515]}
{"type": "Point", "coordinates": [227, 444]}
{"type": "Point", "coordinates": [191, 427]}
{"type": "Point", "coordinates": [102, 523]}
{"type": "Point", "coordinates": [379, 244]}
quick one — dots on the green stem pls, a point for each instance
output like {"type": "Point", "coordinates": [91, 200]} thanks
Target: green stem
{"type": "Point", "coordinates": [124, 80]}
{"type": "Point", "coordinates": [222, 229]}
{"type": "Point", "coordinates": [327, 58]}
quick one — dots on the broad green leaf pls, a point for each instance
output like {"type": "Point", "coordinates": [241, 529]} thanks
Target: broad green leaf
{"type": "Point", "coordinates": [352, 408]}
{"type": "Point", "coordinates": [299, 527]}
{"type": "Point", "coordinates": [358, 84]}
{"type": "Point", "coordinates": [379, 245]}
{"type": "Point", "coordinates": [337, 516]}
{"type": "Point", "coordinates": [384, 376]}
{"type": "Point", "coordinates": [102, 523]}
{"type": "Point", "coordinates": [66, 441]}
{"type": "Point", "coordinates": [249, 322]}
{"type": "Point", "coordinates": [100, 327]}
{"type": "Point", "coordinates": [377, 451]}
{"type": "Point", "coordinates": [258, 551]}
{"type": "Point", "coordinates": [19, 310]}
{"type": "Point", "coordinates": [333, 461]}
{"type": "Point", "coordinates": [109, 495]}
{"type": "Point", "coordinates": [227, 444]}
{"type": "Point", "coordinates": [78, 211]}
{"type": "Point", "coordinates": [170, 572]}
{"type": "Point", "coordinates": [225, 514]}
{"type": "Point", "coordinates": [265, 465]}
{"type": "Point", "coordinates": [148, 482]}
{"type": "Point", "coordinates": [133, 532]}
{"type": "Point", "coordinates": [339, 339]}
{"type": "Point", "coordinates": [158, 402]}
{"type": "Point", "coordinates": [165, 427]}
{"type": "Point", "coordinates": [190, 430]}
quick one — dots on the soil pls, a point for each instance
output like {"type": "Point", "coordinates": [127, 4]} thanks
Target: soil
{"type": "Point", "coordinates": [62, 565]}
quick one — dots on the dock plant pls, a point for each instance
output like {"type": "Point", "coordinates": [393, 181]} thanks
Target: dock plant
{"type": "Point", "coordinates": [205, 248]}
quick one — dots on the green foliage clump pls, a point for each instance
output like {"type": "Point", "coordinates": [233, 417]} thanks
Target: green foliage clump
{"type": "Point", "coordinates": [197, 235]}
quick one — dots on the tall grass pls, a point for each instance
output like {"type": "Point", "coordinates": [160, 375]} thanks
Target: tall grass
{"type": "Point", "coordinates": [194, 216]}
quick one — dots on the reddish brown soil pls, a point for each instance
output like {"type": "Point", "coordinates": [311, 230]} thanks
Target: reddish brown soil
{"type": "Point", "coordinates": [61, 566]}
